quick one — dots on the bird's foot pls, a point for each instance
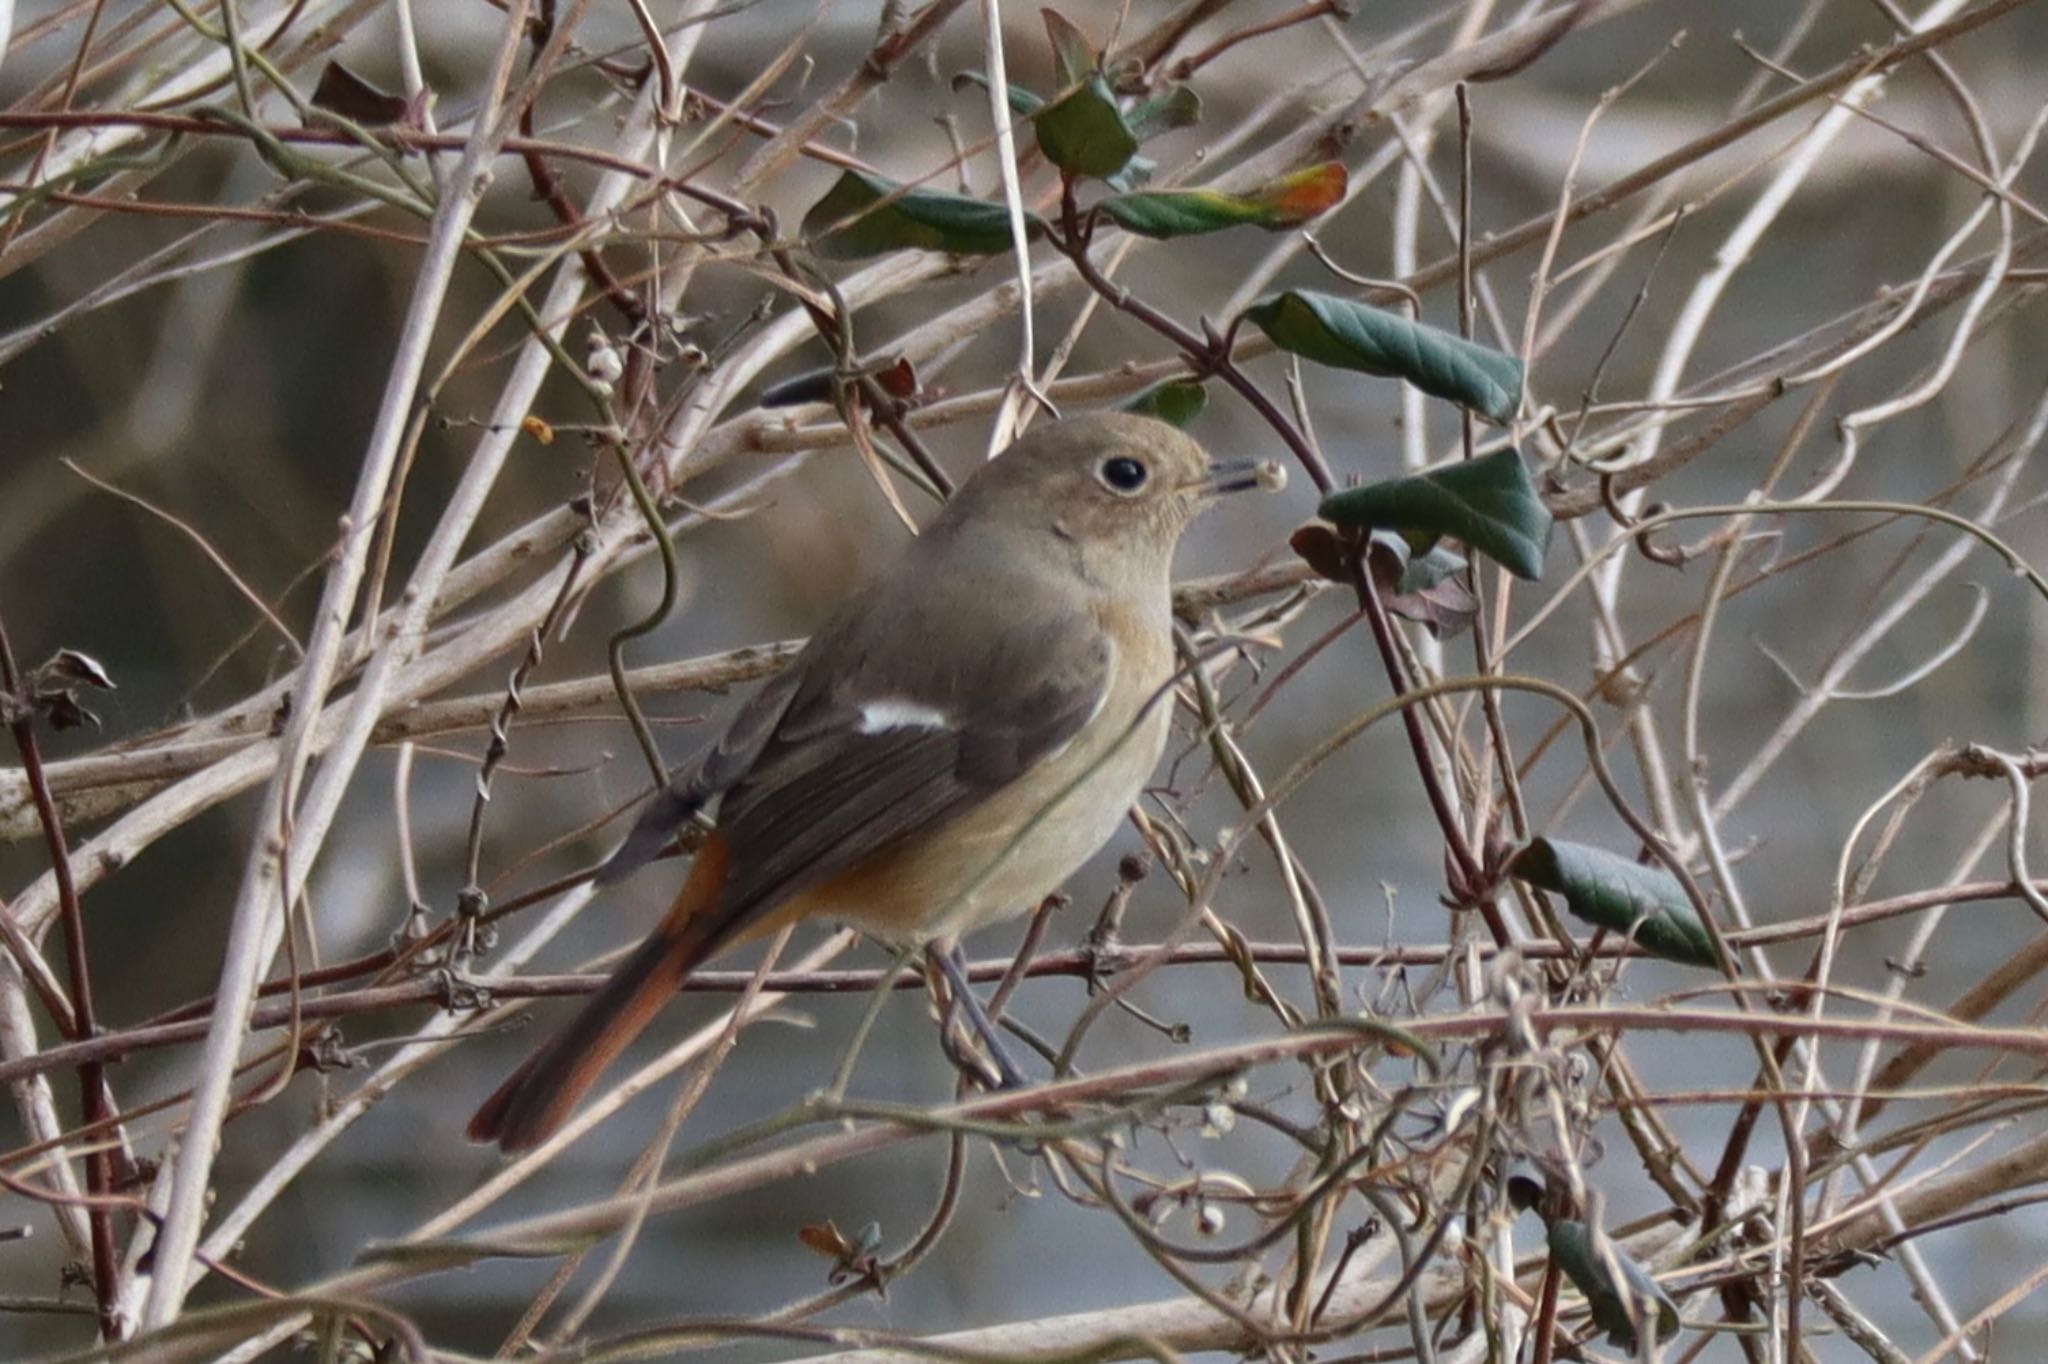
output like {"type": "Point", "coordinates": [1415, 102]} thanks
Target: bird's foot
{"type": "Point", "coordinates": [965, 1006]}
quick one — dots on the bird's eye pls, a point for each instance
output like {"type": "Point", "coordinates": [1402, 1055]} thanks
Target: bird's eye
{"type": "Point", "coordinates": [1123, 474]}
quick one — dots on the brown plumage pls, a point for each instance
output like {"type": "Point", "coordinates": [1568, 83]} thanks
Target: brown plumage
{"type": "Point", "coordinates": [536, 1098]}
{"type": "Point", "coordinates": [963, 732]}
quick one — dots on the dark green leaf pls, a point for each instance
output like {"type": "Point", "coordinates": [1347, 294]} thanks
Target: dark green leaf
{"type": "Point", "coordinates": [1347, 335]}
{"type": "Point", "coordinates": [1488, 503]}
{"type": "Point", "coordinates": [1524, 1193]}
{"type": "Point", "coordinates": [1073, 55]}
{"type": "Point", "coordinates": [1647, 903]}
{"type": "Point", "coordinates": [897, 378]}
{"type": "Point", "coordinates": [1083, 133]}
{"type": "Point", "coordinates": [858, 217]}
{"type": "Point", "coordinates": [1174, 401]}
{"type": "Point", "coordinates": [1177, 106]}
{"type": "Point", "coordinates": [1180, 212]}
{"type": "Point", "coordinates": [811, 386]}
{"type": "Point", "coordinates": [1021, 101]}
{"type": "Point", "coordinates": [1571, 1245]}
{"type": "Point", "coordinates": [1286, 202]}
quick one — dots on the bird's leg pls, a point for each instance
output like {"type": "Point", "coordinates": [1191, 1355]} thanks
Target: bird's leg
{"type": "Point", "coordinates": [948, 960]}
{"type": "Point", "coordinates": [958, 1049]}
{"type": "Point", "coordinates": [961, 1052]}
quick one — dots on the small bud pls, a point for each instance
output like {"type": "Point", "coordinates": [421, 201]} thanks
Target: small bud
{"type": "Point", "coordinates": [601, 361]}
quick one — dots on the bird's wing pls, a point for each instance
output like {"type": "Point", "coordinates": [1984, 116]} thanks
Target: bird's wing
{"type": "Point", "coordinates": [716, 769]}
{"type": "Point", "coordinates": [894, 747]}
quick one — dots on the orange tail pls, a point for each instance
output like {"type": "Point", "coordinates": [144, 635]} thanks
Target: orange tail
{"type": "Point", "coordinates": [539, 1096]}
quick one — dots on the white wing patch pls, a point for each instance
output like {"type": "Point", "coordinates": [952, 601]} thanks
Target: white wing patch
{"type": "Point", "coordinates": [896, 713]}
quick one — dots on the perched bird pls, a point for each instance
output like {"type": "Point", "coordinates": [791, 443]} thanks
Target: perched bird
{"type": "Point", "coordinates": [963, 732]}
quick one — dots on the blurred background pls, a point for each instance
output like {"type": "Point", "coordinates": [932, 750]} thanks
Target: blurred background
{"type": "Point", "coordinates": [235, 401]}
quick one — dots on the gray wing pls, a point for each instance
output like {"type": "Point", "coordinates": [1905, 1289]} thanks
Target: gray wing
{"type": "Point", "coordinates": [814, 779]}
{"type": "Point", "coordinates": [832, 785]}
{"type": "Point", "coordinates": [695, 786]}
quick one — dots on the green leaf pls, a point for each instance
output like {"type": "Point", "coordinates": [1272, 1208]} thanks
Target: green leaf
{"type": "Point", "coordinates": [1571, 1245]}
{"type": "Point", "coordinates": [1021, 101]}
{"type": "Point", "coordinates": [1647, 903]}
{"type": "Point", "coordinates": [1286, 202]}
{"type": "Point", "coordinates": [1073, 55]}
{"type": "Point", "coordinates": [1489, 503]}
{"type": "Point", "coordinates": [1174, 401]}
{"type": "Point", "coordinates": [866, 215]}
{"type": "Point", "coordinates": [810, 386]}
{"type": "Point", "coordinates": [897, 378]}
{"type": "Point", "coordinates": [1084, 133]}
{"type": "Point", "coordinates": [1177, 212]}
{"type": "Point", "coordinates": [1525, 1193]}
{"type": "Point", "coordinates": [1347, 335]}
{"type": "Point", "coordinates": [1177, 106]}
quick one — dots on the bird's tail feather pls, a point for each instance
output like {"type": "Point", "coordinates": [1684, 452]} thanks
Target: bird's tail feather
{"type": "Point", "coordinates": [539, 1096]}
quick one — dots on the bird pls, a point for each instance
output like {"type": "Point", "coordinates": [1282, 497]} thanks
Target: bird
{"type": "Point", "coordinates": [962, 733]}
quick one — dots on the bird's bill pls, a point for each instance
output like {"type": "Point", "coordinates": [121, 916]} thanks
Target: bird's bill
{"type": "Point", "coordinates": [1241, 475]}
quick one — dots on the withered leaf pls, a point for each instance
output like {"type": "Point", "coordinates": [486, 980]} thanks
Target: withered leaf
{"type": "Point", "coordinates": [341, 91]}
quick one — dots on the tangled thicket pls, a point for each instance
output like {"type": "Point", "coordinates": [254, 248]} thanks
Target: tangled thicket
{"type": "Point", "coordinates": [1698, 996]}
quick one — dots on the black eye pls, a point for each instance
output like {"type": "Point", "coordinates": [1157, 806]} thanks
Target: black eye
{"type": "Point", "coordinates": [1124, 474]}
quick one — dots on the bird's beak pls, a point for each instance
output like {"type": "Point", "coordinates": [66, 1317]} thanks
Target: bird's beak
{"type": "Point", "coordinates": [1229, 476]}
{"type": "Point", "coordinates": [1241, 475]}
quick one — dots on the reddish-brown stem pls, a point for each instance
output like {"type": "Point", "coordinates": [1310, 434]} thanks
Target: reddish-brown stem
{"type": "Point", "coordinates": [188, 1023]}
{"type": "Point", "coordinates": [1545, 1326]}
{"type": "Point", "coordinates": [1469, 869]}
{"type": "Point", "coordinates": [1205, 355]}
{"type": "Point", "coordinates": [547, 187]}
{"type": "Point", "coordinates": [1188, 65]}
{"type": "Point", "coordinates": [399, 138]}
{"type": "Point", "coordinates": [95, 1101]}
